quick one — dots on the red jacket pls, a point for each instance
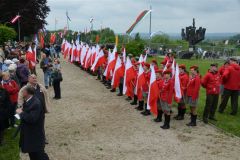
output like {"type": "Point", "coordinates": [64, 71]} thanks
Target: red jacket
{"type": "Point", "coordinates": [166, 92]}
{"type": "Point", "coordinates": [193, 87]}
{"type": "Point", "coordinates": [184, 78]}
{"type": "Point", "coordinates": [13, 89]}
{"type": "Point", "coordinates": [145, 87]}
{"type": "Point", "coordinates": [211, 81]}
{"type": "Point", "coordinates": [231, 77]}
{"type": "Point", "coordinates": [221, 71]}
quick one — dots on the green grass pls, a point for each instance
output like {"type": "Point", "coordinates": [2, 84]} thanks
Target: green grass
{"type": "Point", "coordinates": [225, 121]}
{"type": "Point", "coordinates": [10, 150]}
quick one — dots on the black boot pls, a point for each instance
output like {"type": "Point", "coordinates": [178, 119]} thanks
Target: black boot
{"type": "Point", "coordinates": [113, 90]}
{"type": "Point", "coordinates": [120, 90]}
{"type": "Point", "coordinates": [146, 112]}
{"type": "Point", "coordinates": [166, 122]}
{"type": "Point", "coordinates": [178, 115]}
{"type": "Point", "coordinates": [159, 116]}
{"type": "Point", "coordinates": [193, 121]}
{"type": "Point", "coordinates": [181, 115]}
{"type": "Point", "coordinates": [140, 106]}
{"type": "Point", "coordinates": [128, 98]}
{"type": "Point", "coordinates": [134, 102]}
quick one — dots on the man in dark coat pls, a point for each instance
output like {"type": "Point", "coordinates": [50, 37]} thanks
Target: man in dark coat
{"type": "Point", "coordinates": [4, 112]}
{"type": "Point", "coordinates": [32, 118]}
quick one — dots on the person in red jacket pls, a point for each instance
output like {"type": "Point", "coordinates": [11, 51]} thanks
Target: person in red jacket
{"type": "Point", "coordinates": [193, 88]}
{"type": "Point", "coordinates": [211, 82]}
{"type": "Point", "coordinates": [184, 78]}
{"type": "Point", "coordinates": [145, 88]}
{"type": "Point", "coordinates": [160, 81]}
{"type": "Point", "coordinates": [231, 82]}
{"type": "Point", "coordinates": [166, 96]}
{"type": "Point", "coordinates": [221, 71]}
{"type": "Point", "coordinates": [12, 89]}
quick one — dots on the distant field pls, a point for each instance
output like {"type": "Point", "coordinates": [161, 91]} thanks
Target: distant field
{"type": "Point", "coordinates": [225, 121]}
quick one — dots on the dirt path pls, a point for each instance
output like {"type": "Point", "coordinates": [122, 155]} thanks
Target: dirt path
{"type": "Point", "coordinates": [90, 123]}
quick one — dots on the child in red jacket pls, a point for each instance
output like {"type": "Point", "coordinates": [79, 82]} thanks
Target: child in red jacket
{"type": "Point", "coordinates": [193, 88]}
{"type": "Point", "coordinates": [12, 89]}
{"type": "Point", "coordinates": [166, 95]}
{"type": "Point", "coordinates": [184, 78]}
{"type": "Point", "coordinates": [159, 78]}
{"type": "Point", "coordinates": [211, 81]}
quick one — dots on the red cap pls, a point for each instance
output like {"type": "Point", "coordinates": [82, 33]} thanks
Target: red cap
{"type": "Point", "coordinates": [183, 66]}
{"type": "Point", "coordinates": [147, 65]}
{"type": "Point", "coordinates": [159, 71]}
{"type": "Point", "coordinates": [154, 61]}
{"type": "Point", "coordinates": [168, 71]}
{"type": "Point", "coordinates": [194, 67]}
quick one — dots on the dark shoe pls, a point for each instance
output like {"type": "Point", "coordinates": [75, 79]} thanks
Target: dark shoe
{"type": "Point", "coordinates": [129, 98]}
{"type": "Point", "coordinates": [108, 87]}
{"type": "Point", "coordinates": [119, 94]}
{"type": "Point", "coordinates": [113, 90]}
{"type": "Point", "coordinates": [134, 102]}
{"type": "Point", "coordinates": [140, 106]}
{"type": "Point", "coordinates": [205, 120]}
{"type": "Point", "coordinates": [46, 87]}
{"type": "Point", "coordinates": [166, 122]}
{"type": "Point", "coordinates": [159, 117]}
{"type": "Point", "coordinates": [178, 115]}
{"type": "Point", "coordinates": [193, 121]}
{"type": "Point", "coordinates": [146, 113]}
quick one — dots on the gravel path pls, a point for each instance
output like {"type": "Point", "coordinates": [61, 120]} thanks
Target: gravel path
{"type": "Point", "coordinates": [90, 123]}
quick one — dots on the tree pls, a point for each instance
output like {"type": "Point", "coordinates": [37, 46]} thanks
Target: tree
{"type": "Point", "coordinates": [33, 14]}
{"type": "Point", "coordinates": [6, 33]}
{"type": "Point", "coordinates": [135, 47]}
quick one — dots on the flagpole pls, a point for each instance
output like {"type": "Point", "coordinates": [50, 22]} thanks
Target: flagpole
{"type": "Point", "coordinates": [19, 29]}
{"type": "Point", "coordinates": [150, 26]}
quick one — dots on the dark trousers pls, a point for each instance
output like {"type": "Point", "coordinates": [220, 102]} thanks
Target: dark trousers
{"type": "Point", "coordinates": [12, 118]}
{"type": "Point", "coordinates": [40, 155]}
{"type": "Point", "coordinates": [57, 89]}
{"type": "Point", "coordinates": [121, 88]}
{"type": "Point", "coordinates": [234, 100]}
{"type": "Point", "coordinates": [210, 106]}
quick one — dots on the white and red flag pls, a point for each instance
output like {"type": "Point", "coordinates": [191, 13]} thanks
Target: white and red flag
{"type": "Point", "coordinates": [153, 93]}
{"type": "Point", "coordinates": [100, 59]}
{"type": "Point", "coordinates": [31, 57]}
{"type": "Point", "coordinates": [140, 82]}
{"type": "Point", "coordinates": [129, 76]}
{"type": "Point", "coordinates": [111, 64]}
{"type": "Point", "coordinates": [118, 73]}
{"type": "Point", "coordinates": [15, 19]}
{"type": "Point", "coordinates": [177, 86]}
{"type": "Point", "coordinates": [124, 55]}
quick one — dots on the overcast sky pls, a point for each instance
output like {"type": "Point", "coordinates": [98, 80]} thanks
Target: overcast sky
{"type": "Point", "coordinates": [168, 16]}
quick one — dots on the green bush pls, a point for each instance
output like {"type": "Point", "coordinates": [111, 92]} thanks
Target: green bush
{"type": "Point", "coordinates": [135, 47]}
{"type": "Point", "coordinates": [6, 33]}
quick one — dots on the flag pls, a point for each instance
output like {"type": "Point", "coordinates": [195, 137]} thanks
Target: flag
{"type": "Point", "coordinates": [177, 85]}
{"type": "Point", "coordinates": [111, 64]}
{"type": "Point", "coordinates": [41, 38]}
{"type": "Point", "coordinates": [100, 59]}
{"type": "Point", "coordinates": [141, 60]}
{"type": "Point", "coordinates": [173, 68]}
{"type": "Point", "coordinates": [68, 16]}
{"type": "Point", "coordinates": [15, 19]}
{"type": "Point", "coordinates": [52, 38]}
{"type": "Point", "coordinates": [129, 75]}
{"type": "Point", "coordinates": [153, 92]}
{"type": "Point", "coordinates": [31, 57]}
{"type": "Point", "coordinates": [118, 73]}
{"type": "Point", "coordinates": [145, 58]}
{"type": "Point", "coordinates": [139, 18]}
{"type": "Point", "coordinates": [140, 83]}
{"type": "Point", "coordinates": [97, 38]}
